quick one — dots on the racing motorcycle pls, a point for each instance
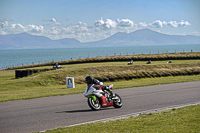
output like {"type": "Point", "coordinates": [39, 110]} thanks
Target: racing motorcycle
{"type": "Point", "coordinates": [99, 98]}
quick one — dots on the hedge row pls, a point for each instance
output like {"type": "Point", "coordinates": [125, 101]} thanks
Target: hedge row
{"type": "Point", "coordinates": [147, 75]}
{"type": "Point", "coordinates": [25, 73]}
{"type": "Point", "coordinates": [135, 58]}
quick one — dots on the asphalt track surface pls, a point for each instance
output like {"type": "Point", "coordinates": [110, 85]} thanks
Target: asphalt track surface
{"type": "Point", "coordinates": [41, 114]}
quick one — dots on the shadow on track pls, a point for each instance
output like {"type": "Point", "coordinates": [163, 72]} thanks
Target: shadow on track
{"type": "Point", "coordinates": [75, 111]}
{"type": "Point", "coordinates": [86, 110]}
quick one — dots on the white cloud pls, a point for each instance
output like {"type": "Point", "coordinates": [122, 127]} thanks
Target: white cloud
{"type": "Point", "coordinates": [54, 30]}
{"type": "Point", "coordinates": [16, 28]}
{"type": "Point", "coordinates": [184, 23]}
{"type": "Point", "coordinates": [3, 24]}
{"type": "Point", "coordinates": [35, 28]}
{"type": "Point", "coordinates": [99, 23]}
{"type": "Point", "coordinates": [82, 24]}
{"type": "Point", "coordinates": [196, 33]}
{"type": "Point", "coordinates": [84, 32]}
{"type": "Point", "coordinates": [142, 24]}
{"type": "Point", "coordinates": [110, 24]}
{"type": "Point", "coordinates": [81, 27]}
{"type": "Point", "coordinates": [179, 24]}
{"type": "Point", "coordinates": [67, 30]}
{"type": "Point", "coordinates": [107, 24]}
{"type": "Point", "coordinates": [174, 24]}
{"type": "Point", "coordinates": [54, 22]}
{"type": "Point", "coordinates": [157, 24]}
{"type": "Point", "coordinates": [125, 23]}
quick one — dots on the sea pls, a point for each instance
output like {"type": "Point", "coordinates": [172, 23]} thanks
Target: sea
{"type": "Point", "coordinates": [20, 57]}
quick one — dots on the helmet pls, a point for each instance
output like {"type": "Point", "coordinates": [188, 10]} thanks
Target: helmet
{"type": "Point", "coordinates": [89, 79]}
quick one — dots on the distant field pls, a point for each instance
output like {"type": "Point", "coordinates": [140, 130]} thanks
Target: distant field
{"type": "Point", "coordinates": [52, 83]}
{"type": "Point", "coordinates": [141, 57]}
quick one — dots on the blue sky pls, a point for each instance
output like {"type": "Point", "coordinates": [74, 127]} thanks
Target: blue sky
{"type": "Point", "coordinates": [92, 20]}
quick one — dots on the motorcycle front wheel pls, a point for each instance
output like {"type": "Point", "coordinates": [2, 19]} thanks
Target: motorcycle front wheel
{"type": "Point", "coordinates": [94, 105]}
{"type": "Point", "coordinates": [117, 101]}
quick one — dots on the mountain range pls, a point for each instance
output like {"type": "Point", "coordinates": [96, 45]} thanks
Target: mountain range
{"type": "Point", "coordinates": [137, 38]}
{"type": "Point", "coordinates": [27, 41]}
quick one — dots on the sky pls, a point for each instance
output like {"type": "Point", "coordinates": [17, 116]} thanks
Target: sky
{"type": "Point", "coordinates": [93, 20]}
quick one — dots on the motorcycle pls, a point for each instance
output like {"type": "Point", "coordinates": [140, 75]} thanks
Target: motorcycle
{"type": "Point", "coordinates": [98, 98]}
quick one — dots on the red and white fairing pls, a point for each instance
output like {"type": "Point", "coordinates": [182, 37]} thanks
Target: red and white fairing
{"type": "Point", "coordinates": [92, 90]}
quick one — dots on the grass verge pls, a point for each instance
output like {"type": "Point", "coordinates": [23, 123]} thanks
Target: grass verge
{"type": "Point", "coordinates": [181, 120]}
{"type": "Point", "coordinates": [20, 89]}
{"type": "Point", "coordinates": [53, 83]}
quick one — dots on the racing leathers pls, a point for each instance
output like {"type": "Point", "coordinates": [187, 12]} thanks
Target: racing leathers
{"type": "Point", "coordinates": [98, 84]}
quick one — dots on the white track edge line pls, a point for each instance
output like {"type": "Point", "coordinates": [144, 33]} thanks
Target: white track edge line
{"type": "Point", "coordinates": [133, 114]}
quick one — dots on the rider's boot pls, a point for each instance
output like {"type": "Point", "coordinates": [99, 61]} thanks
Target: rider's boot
{"type": "Point", "coordinates": [112, 95]}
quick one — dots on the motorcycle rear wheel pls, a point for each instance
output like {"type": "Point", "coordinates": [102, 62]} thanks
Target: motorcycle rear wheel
{"type": "Point", "coordinates": [117, 103]}
{"type": "Point", "coordinates": [94, 105]}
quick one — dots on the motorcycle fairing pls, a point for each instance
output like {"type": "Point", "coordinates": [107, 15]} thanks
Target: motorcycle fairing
{"type": "Point", "coordinates": [110, 86]}
{"type": "Point", "coordinates": [92, 91]}
{"type": "Point", "coordinates": [104, 102]}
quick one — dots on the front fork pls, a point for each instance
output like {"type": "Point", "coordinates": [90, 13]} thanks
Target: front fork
{"type": "Point", "coordinates": [94, 99]}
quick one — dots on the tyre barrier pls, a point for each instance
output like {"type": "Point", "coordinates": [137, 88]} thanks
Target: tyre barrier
{"type": "Point", "coordinates": [111, 79]}
{"type": "Point", "coordinates": [25, 73]}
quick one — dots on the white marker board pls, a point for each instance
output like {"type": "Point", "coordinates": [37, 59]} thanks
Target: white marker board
{"type": "Point", "coordinates": [70, 82]}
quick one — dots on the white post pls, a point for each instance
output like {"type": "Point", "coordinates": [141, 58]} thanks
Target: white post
{"type": "Point", "coordinates": [70, 82]}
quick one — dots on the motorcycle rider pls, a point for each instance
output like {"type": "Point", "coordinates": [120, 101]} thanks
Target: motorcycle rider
{"type": "Point", "coordinates": [90, 81]}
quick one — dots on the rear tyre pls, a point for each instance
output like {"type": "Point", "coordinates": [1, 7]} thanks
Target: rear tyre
{"type": "Point", "coordinates": [117, 101]}
{"type": "Point", "coordinates": [94, 105]}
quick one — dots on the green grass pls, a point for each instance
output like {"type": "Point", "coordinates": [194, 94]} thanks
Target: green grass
{"type": "Point", "coordinates": [181, 120]}
{"type": "Point", "coordinates": [116, 70]}
{"type": "Point", "coordinates": [17, 89]}
{"type": "Point", "coordinates": [153, 81]}
{"type": "Point", "coordinates": [53, 83]}
{"type": "Point", "coordinates": [121, 63]}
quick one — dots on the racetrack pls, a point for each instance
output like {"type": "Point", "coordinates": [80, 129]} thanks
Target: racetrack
{"type": "Point", "coordinates": [51, 112]}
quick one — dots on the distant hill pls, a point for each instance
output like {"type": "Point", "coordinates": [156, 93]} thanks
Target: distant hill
{"type": "Point", "coordinates": [27, 41]}
{"type": "Point", "coordinates": [137, 38]}
{"type": "Point", "coordinates": [144, 37]}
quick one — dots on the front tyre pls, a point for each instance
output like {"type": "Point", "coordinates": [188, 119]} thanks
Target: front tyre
{"type": "Point", "coordinates": [117, 101]}
{"type": "Point", "coordinates": [94, 105]}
